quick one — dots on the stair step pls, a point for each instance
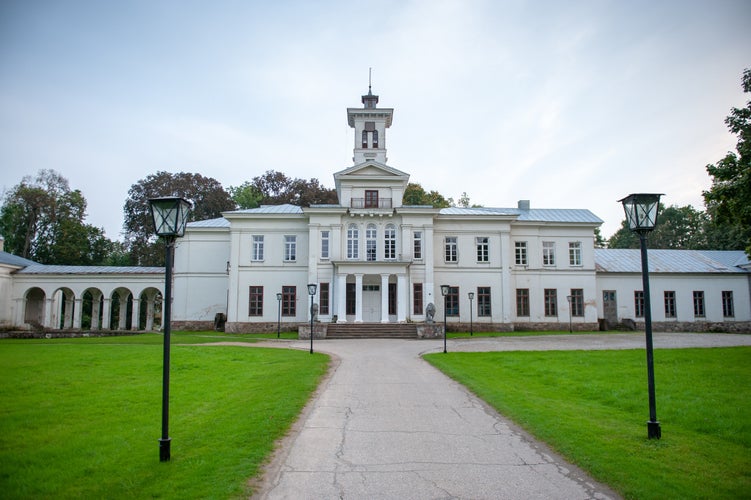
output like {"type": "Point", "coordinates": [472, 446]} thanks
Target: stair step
{"type": "Point", "coordinates": [371, 330]}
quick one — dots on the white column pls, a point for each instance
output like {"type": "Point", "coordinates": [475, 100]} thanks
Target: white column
{"type": "Point", "coordinates": [68, 315]}
{"type": "Point", "coordinates": [77, 313]}
{"type": "Point", "coordinates": [401, 298]}
{"type": "Point", "coordinates": [122, 318]}
{"type": "Point", "coordinates": [47, 320]}
{"type": "Point", "coordinates": [506, 290]}
{"type": "Point", "coordinates": [428, 291]}
{"type": "Point", "coordinates": [358, 298]}
{"type": "Point", "coordinates": [341, 298]}
{"type": "Point", "coordinates": [106, 313]}
{"type": "Point", "coordinates": [384, 298]}
{"type": "Point", "coordinates": [136, 316]}
{"type": "Point", "coordinates": [96, 308]}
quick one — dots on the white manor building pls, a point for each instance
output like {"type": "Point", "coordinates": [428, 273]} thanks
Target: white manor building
{"type": "Point", "coordinates": [377, 261]}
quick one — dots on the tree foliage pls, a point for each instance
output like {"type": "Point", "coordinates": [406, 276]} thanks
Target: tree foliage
{"type": "Point", "coordinates": [728, 201]}
{"type": "Point", "coordinates": [677, 228]}
{"type": "Point", "coordinates": [275, 188]}
{"type": "Point", "coordinates": [209, 201]}
{"type": "Point", "coordinates": [415, 194]}
{"type": "Point", "coordinates": [42, 219]}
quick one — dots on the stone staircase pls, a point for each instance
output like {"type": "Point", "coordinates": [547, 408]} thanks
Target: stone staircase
{"type": "Point", "coordinates": [371, 331]}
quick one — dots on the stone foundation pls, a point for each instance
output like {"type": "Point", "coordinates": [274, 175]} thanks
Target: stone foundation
{"type": "Point", "coordinates": [268, 327]}
{"type": "Point", "coordinates": [319, 331]}
{"type": "Point", "coordinates": [699, 326]}
{"type": "Point", "coordinates": [548, 327]}
{"type": "Point", "coordinates": [67, 334]}
{"type": "Point", "coordinates": [429, 331]}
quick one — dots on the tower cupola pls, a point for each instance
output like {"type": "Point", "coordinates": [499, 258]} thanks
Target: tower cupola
{"type": "Point", "coordinates": [370, 124]}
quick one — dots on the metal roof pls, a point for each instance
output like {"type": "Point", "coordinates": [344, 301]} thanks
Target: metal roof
{"type": "Point", "coordinates": [531, 215]}
{"type": "Point", "coordinates": [14, 260]}
{"type": "Point", "coordinates": [614, 260]}
{"type": "Point", "coordinates": [269, 209]}
{"type": "Point", "coordinates": [44, 269]}
{"type": "Point", "coordinates": [220, 222]}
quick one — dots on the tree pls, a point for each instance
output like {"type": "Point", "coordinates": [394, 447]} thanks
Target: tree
{"type": "Point", "coordinates": [275, 188]}
{"type": "Point", "coordinates": [42, 219]}
{"type": "Point", "coordinates": [209, 201]}
{"type": "Point", "coordinates": [246, 195]}
{"type": "Point", "coordinates": [415, 194]}
{"type": "Point", "coordinates": [676, 228]}
{"type": "Point", "coordinates": [728, 201]}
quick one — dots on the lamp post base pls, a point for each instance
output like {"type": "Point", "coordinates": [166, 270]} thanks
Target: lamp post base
{"type": "Point", "coordinates": [653, 430]}
{"type": "Point", "coordinates": [164, 449]}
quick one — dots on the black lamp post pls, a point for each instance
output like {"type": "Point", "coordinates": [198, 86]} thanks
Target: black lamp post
{"type": "Point", "coordinates": [641, 216]}
{"type": "Point", "coordinates": [278, 313]}
{"type": "Point", "coordinates": [570, 314]}
{"type": "Point", "coordinates": [445, 293]}
{"type": "Point", "coordinates": [471, 297]}
{"type": "Point", "coordinates": [311, 291]}
{"type": "Point", "coordinates": [170, 216]}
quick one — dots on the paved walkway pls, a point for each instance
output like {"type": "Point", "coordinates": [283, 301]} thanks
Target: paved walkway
{"type": "Point", "coordinates": [386, 424]}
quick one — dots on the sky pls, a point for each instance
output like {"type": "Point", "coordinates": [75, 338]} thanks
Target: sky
{"type": "Point", "coordinates": [570, 104]}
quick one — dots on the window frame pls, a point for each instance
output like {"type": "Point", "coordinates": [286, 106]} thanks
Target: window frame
{"type": "Point", "coordinates": [417, 299]}
{"type": "Point", "coordinates": [417, 245]}
{"type": "Point", "coordinates": [548, 253]}
{"type": "Point", "coordinates": [550, 302]}
{"type": "Point", "coordinates": [699, 304]}
{"type": "Point", "coordinates": [389, 242]}
{"type": "Point", "coordinates": [353, 242]}
{"type": "Point", "coordinates": [669, 302]}
{"type": "Point", "coordinates": [451, 249]}
{"type": "Point", "coordinates": [325, 244]}
{"type": "Point", "coordinates": [255, 300]}
{"type": "Point", "coordinates": [324, 299]}
{"type": "Point", "coordinates": [484, 302]}
{"type": "Point", "coordinates": [482, 243]}
{"type": "Point", "coordinates": [290, 248]}
{"type": "Point", "coordinates": [452, 302]}
{"type": "Point", "coordinates": [371, 243]}
{"type": "Point", "coordinates": [728, 305]}
{"type": "Point", "coordinates": [257, 248]}
{"type": "Point", "coordinates": [638, 303]}
{"type": "Point", "coordinates": [577, 302]}
{"type": "Point", "coordinates": [575, 253]}
{"type": "Point", "coordinates": [522, 303]}
{"type": "Point", "coordinates": [371, 198]}
{"type": "Point", "coordinates": [289, 301]}
{"type": "Point", "coordinates": [520, 253]}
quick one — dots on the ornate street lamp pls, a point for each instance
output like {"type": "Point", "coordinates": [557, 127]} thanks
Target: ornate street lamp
{"type": "Point", "coordinates": [311, 291]}
{"type": "Point", "coordinates": [278, 313]}
{"type": "Point", "coordinates": [641, 216]}
{"type": "Point", "coordinates": [445, 293]}
{"type": "Point", "coordinates": [170, 216]}
{"type": "Point", "coordinates": [471, 297]}
{"type": "Point", "coordinates": [570, 314]}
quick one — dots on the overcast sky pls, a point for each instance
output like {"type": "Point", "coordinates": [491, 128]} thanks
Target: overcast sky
{"type": "Point", "coordinates": [569, 104]}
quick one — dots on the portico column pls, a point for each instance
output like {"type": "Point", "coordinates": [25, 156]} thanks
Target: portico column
{"type": "Point", "coordinates": [106, 313]}
{"type": "Point", "coordinates": [77, 313]}
{"type": "Point", "coordinates": [68, 314]}
{"type": "Point", "coordinates": [401, 298]}
{"type": "Point", "coordinates": [122, 317]}
{"type": "Point", "coordinates": [136, 316]}
{"type": "Point", "coordinates": [358, 298]}
{"type": "Point", "coordinates": [341, 298]}
{"type": "Point", "coordinates": [47, 320]}
{"type": "Point", "coordinates": [384, 298]}
{"type": "Point", "coordinates": [149, 313]}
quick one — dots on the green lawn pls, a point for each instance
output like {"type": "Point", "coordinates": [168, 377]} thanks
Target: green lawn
{"type": "Point", "coordinates": [592, 407]}
{"type": "Point", "coordinates": [81, 418]}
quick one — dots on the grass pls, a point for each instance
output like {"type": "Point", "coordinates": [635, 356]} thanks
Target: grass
{"type": "Point", "coordinates": [82, 417]}
{"type": "Point", "coordinates": [591, 406]}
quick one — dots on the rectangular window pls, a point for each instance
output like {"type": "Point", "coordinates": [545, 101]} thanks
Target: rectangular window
{"type": "Point", "coordinates": [670, 304]}
{"type": "Point", "coordinates": [522, 302]}
{"type": "Point", "coordinates": [289, 301]}
{"type": "Point", "coordinates": [353, 242]}
{"type": "Point", "coordinates": [575, 253]}
{"type": "Point", "coordinates": [520, 250]}
{"type": "Point", "coordinates": [698, 304]}
{"type": "Point", "coordinates": [417, 245]}
{"type": "Point", "coordinates": [371, 199]}
{"type": "Point", "coordinates": [483, 253]}
{"type": "Point", "coordinates": [351, 299]}
{"type": "Point", "coordinates": [324, 245]}
{"type": "Point", "coordinates": [392, 298]}
{"type": "Point", "coordinates": [389, 242]}
{"type": "Point", "coordinates": [728, 310]}
{"type": "Point", "coordinates": [255, 301]}
{"type": "Point", "coordinates": [483, 301]}
{"type": "Point", "coordinates": [577, 302]}
{"type": "Point", "coordinates": [290, 248]}
{"type": "Point", "coordinates": [639, 304]}
{"type": "Point", "coordinates": [323, 299]}
{"type": "Point", "coordinates": [417, 298]}
{"type": "Point", "coordinates": [452, 254]}
{"type": "Point", "coordinates": [257, 251]}
{"type": "Point", "coordinates": [452, 301]}
{"type": "Point", "coordinates": [548, 253]}
{"type": "Point", "coordinates": [551, 302]}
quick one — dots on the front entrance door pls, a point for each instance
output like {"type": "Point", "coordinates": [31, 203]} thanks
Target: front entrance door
{"type": "Point", "coordinates": [609, 306]}
{"type": "Point", "coordinates": [371, 303]}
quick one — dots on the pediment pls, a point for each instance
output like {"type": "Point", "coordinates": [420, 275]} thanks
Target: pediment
{"type": "Point", "coordinates": [371, 169]}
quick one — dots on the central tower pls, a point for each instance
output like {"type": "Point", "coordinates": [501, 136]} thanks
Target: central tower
{"type": "Point", "coordinates": [370, 124]}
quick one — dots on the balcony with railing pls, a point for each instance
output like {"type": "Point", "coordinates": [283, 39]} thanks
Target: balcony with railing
{"type": "Point", "coordinates": [370, 203]}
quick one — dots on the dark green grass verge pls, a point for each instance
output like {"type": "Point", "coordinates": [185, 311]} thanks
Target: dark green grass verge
{"type": "Point", "coordinates": [592, 407]}
{"type": "Point", "coordinates": [81, 418]}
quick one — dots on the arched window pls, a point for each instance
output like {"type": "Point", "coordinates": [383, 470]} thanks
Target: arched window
{"type": "Point", "coordinates": [371, 242]}
{"type": "Point", "coordinates": [375, 138]}
{"type": "Point", "coordinates": [353, 242]}
{"type": "Point", "coordinates": [389, 241]}
{"type": "Point", "coordinates": [364, 139]}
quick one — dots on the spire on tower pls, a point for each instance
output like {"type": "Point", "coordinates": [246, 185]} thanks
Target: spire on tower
{"type": "Point", "coordinates": [370, 100]}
